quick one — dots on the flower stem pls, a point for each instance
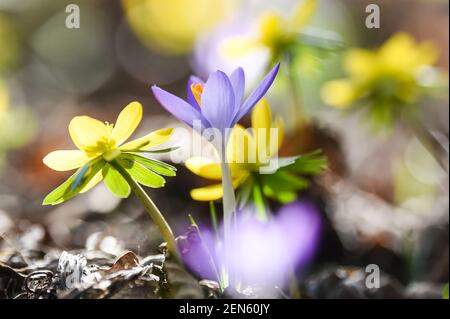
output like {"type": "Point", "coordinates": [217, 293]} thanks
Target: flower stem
{"type": "Point", "coordinates": [434, 147]}
{"type": "Point", "coordinates": [229, 206]}
{"type": "Point", "coordinates": [153, 211]}
{"type": "Point", "coordinates": [298, 112]}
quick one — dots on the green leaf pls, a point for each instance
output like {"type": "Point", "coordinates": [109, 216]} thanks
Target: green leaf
{"type": "Point", "coordinates": [258, 200]}
{"type": "Point", "coordinates": [162, 150]}
{"type": "Point", "coordinates": [141, 174]}
{"type": "Point", "coordinates": [282, 186]}
{"type": "Point", "coordinates": [57, 195]}
{"type": "Point", "coordinates": [79, 176]}
{"type": "Point", "coordinates": [154, 165]}
{"type": "Point", "coordinates": [311, 163]}
{"type": "Point", "coordinates": [115, 182]}
{"type": "Point", "coordinates": [273, 166]}
{"type": "Point", "coordinates": [73, 185]}
{"type": "Point", "coordinates": [244, 193]}
{"type": "Point", "coordinates": [213, 213]}
{"type": "Point", "coordinates": [445, 293]}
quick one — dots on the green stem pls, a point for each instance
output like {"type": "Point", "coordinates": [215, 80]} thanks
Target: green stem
{"type": "Point", "coordinates": [298, 112]}
{"type": "Point", "coordinates": [153, 211]}
{"type": "Point", "coordinates": [212, 210]}
{"type": "Point", "coordinates": [434, 147]}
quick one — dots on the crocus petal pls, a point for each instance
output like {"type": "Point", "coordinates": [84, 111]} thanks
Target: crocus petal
{"type": "Point", "coordinates": [65, 160]}
{"type": "Point", "coordinates": [179, 108]}
{"type": "Point", "coordinates": [127, 122]}
{"type": "Point", "coordinates": [257, 94]}
{"type": "Point", "coordinates": [148, 141]}
{"type": "Point", "coordinates": [204, 167]}
{"type": "Point", "coordinates": [86, 131]}
{"type": "Point", "coordinates": [237, 80]}
{"type": "Point", "coordinates": [218, 103]}
{"type": "Point", "coordinates": [190, 96]}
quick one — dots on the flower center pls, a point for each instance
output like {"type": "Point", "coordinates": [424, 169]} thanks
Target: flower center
{"type": "Point", "coordinates": [104, 146]}
{"type": "Point", "coordinates": [197, 90]}
{"type": "Point", "coordinates": [270, 28]}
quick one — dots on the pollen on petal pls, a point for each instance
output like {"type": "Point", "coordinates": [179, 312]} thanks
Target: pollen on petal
{"type": "Point", "coordinates": [197, 90]}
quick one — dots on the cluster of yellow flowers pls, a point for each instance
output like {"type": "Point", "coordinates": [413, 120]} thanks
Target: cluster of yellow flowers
{"type": "Point", "coordinates": [395, 73]}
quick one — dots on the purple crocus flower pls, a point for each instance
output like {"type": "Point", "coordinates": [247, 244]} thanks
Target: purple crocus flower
{"type": "Point", "coordinates": [262, 253]}
{"type": "Point", "coordinates": [218, 103]}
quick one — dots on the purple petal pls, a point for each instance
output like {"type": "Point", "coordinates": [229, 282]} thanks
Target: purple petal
{"type": "Point", "coordinates": [237, 79]}
{"type": "Point", "coordinates": [190, 96]}
{"type": "Point", "coordinates": [218, 103]}
{"type": "Point", "coordinates": [178, 108]}
{"type": "Point", "coordinates": [257, 94]}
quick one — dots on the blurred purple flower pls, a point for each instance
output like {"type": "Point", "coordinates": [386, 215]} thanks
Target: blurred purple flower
{"type": "Point", "coordinates": [218, 103]}
{"type": "Point", "coordinates": [264, 253]}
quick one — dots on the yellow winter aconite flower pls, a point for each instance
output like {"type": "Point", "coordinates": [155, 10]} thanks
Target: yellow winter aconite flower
{"type": "Point", "coordinates": [4, 97]}
{"type": "Point", "coordinates": [255, 166]}
{"type": "Point", "coordinates": [101, 147]}
{"type": "Point", "coordinates": [275, 32]}
{"type": "Point", "coordinates": [17, 124]}
{"type": "Point", "coordinates": [391, 75]}
{"type": "Point", "coordinates": [172, 27]}
{"type": "Point", "coordinates": [246, 153]}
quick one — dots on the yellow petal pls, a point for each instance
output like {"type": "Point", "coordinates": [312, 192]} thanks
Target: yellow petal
{"type": "Point", "coordinates": [148, 141]}
{"type": "Point", "coordinates": [402, 55]}
{"type": "Point", "coordinates": [214, 192]}
{"type": "Point", "coordinates": [261, 118]}
{"type": "Point", "coordinates": [4, 97]}
{"type": "Point", "coordinates": [303, 13]}
{"type": "Point", "coordinates": [93, 182]}
{"type": "Point", "coordinates": [86, 132]}
{"type": "Point", "coordinates": [261, 124]}
{"type": "Point", "coordinates": [241, 147]}
{"type": "Point", "coordinates": [263, 127]}
{"type": "Point", "coordinates": [427, 54]}
{"type": "Point", "coordinates": [65, 160]}
{"type": "Point", "coordinates": [127, 122]}
{"type": "Point", "coordinates": [208, 193]}
{"type": "Point", "coordinates": [204, 167]}
{"type": "Point", "coordinates": [236, 47]}
{"type": "Point", "coordinates": [271, 27]}
{"type": "Point", "coordinates": [361, 63]}
{"type": "Point", "coordinates": [338, 93]}
{"type": "Point", "coordinates": [279, 125]}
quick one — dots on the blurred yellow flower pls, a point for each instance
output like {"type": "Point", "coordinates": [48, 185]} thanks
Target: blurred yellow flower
{"type": "Point", "coordinates": [392, 74]}
{"type": "Point", "coordinates": [17, 124]}
{"type": "Point", "coordinates": [98, 145]}
{"type": "Point", "coordinates": [171, 27]}
{"type": "Point", "coordinates": [4, 97]}
{"type": "Point", "coordinates": [9, 43]}
{"type": "Point", "coordinates": [275, 31]}
{"type": "Point", "coordinates": [241, 147]}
